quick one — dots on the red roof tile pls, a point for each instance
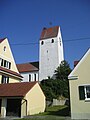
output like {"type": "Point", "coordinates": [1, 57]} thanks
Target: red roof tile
{"type": "Point", "coordinates": [10, 72]}
{"type": "Point", "coordinates": [26, 67]}
{"type": "Point", "coordinates": [15, 89]}
{"type": "Point", "coordinates": [2, 39]}
{"type": "Point", "coordinates": [76, 62]}
{"type": "Point", "coordinates": [49, 32]}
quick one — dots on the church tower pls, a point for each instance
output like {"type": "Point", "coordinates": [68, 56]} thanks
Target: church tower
{"type": "Point", "coordinates": [50, 52]}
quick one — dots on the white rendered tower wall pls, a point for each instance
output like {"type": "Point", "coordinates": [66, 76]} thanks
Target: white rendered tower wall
{"type": "Point", "coordinates": [50, 55]}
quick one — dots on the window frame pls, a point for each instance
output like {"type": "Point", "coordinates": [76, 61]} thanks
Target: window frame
{"type": "Point", "coordinates": [83, 92]}
{"type": "Point", "coordinates": [86, 95]}
{"type": "Point", "coordinates": [5, 63]}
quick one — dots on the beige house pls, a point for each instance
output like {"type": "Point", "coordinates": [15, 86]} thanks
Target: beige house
{"type": "Point", "coordinates": [17, 98]}
{"type": "Point", "coordinates": [79, 82]}
{"type": "Point", "coordinates": [21, 99]}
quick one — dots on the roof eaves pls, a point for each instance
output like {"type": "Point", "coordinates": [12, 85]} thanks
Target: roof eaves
{"type": "Point", "coordinates": [48, 37]}
{"type": "Point", "coordinates": [11, 74]}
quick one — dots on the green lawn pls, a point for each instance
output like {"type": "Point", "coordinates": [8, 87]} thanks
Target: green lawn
{"type": "Point", "coordinates": [52, 113]}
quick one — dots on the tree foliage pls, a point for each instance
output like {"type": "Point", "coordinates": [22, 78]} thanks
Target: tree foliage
{"type": "Point", "coordinates": [63, 71]}
{"type": "Point", "coordinates": [53, 88]}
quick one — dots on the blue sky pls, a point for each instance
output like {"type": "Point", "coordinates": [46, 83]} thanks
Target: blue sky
{"type": "Point", "coordinates": [21, 21]}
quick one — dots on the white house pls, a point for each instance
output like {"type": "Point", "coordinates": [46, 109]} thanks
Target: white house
{"type": "Point", "coordinates": [50, 52]}
{"type": "Point", "coordinates": [29, 71]}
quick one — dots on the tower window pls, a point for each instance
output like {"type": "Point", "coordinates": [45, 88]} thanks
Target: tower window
{"type": "Point", "coordinates": [52, 40]}
{"type": "Point", "coordinates": [42, 42]}
{"type": "Point", "coordinates": [60, 41]}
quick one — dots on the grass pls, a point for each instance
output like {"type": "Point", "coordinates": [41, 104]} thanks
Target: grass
{"type": "Point", "coordinates": [44, 118]}
{"type": "Point", "coordinates": [52, 113]}
{"type": "Point", "coordinates": [57, 111]}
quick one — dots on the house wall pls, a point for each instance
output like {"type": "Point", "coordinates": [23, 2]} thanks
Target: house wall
{"type": "Point", "coordinates": [24, 107]}
{"type": "Point", "coordinates": [80, 109]}
{"type": "Point", "coordinates": [35, 101]}
{"type": "Point", "coordinates": [11, 79]}
{"type": "Point", "coordinates": [50, 56]}
{"type": "Point", "coordinates": [3, 108]}
{"type": "Point", "coordinates": [26, 76]}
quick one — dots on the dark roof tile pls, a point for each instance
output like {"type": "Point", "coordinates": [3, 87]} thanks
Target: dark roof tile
{"type": "Point", "coordinates": [26, 67]}
{"type": "Point", "coordinates": [2, 40]}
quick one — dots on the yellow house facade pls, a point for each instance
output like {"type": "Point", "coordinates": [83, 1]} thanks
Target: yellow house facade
{"type": "Point", "coordinates": [79, 83]}
{"type": "Point", "coordinates": [8, 70]}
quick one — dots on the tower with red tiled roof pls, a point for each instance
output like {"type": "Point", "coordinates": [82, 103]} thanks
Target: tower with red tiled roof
{"type": "Point", "coordinates": [51, 52]}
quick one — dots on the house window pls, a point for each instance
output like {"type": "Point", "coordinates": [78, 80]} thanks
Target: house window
{"type": "Point", "coordinates": [29, 77]}
{"type": "Point", "coordinates": [52, 41]}
{"type": "Point", "coordinates": [5, 79]}
{"type": "Point", "coordinates": [42, 42]}
{"type": "Point", "coordinates": [5, 63]}
{"type": "Point", "coordinates": [35, 77]}
{"type": "Point", "coordinates": [60, 43]}
{"type": "Point", "coordinates": [84, 92]}
{"type": "Point", "coordinates": [4, 48]}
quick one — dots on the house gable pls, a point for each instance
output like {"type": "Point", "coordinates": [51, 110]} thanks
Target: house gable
{"type": "Point", "coordinates": [8, 70]}
{"type": "Point", "coordinates": [6, 54]}
{"type": "Point", "coordinates": [82, 65]}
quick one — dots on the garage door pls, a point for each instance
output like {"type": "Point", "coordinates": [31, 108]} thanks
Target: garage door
{"type": "Point", "coordinates": [13, 107]}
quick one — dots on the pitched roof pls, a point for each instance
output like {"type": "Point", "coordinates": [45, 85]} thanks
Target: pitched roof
{"type": "Point", "coordinates": [2, 40]}
{"type": "Point", "coordinates": [36, 64]}
{"type": "Point", "coordinates": [16, 89]}
{"type": "Point", "coordinates": [49, 32]}
{"type": "Point", "coordinates": [26, 67]}
{"type": "Point", "coordinates": [2, 69]}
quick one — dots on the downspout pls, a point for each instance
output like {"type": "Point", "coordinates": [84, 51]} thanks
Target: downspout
{"type": "Point", "coordinates": [26, 105]}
